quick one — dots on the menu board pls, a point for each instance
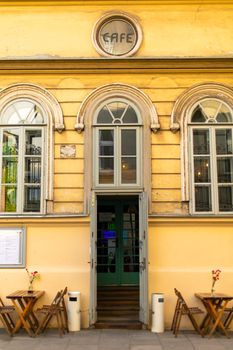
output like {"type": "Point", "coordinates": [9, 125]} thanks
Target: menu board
{"type": "Point", "coordinates": [12, 247]}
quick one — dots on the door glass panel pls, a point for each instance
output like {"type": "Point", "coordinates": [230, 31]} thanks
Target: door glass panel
{"type": "Point", "coordinates": [201, 143]}
{"type": "Point", "coordinates": [8, 198]}
{"type": "Point", "coordinates": [225, 194]}
{"type": "Point", "coordinates": [130, 239]}
{"type": "Point", "coordinates": [106, 240]}
{"type": "Point", "coordinates": [117, 241]}
{"type": "Point", "coordinates": [31, 198]}
{"type": "Point", "coordinates": [202, 169]}
{"type": "Point", "coordinates": [203, 198]}
{"type": "Point", "coordinates": [224, 141]}
{"type": "Point", "coordinates": [225, 169]}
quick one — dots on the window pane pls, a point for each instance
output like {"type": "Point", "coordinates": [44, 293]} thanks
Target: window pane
{"type": "Point", "coordinates": [10, 142]}
{"type": "Point", "coordinates": [210, 107]}
{"type": "Point", "coordinates": [9, 170]}
{"type": "Point", "coordinates": [31, 198]}
{"type": "Point", "coordinates": [203, 198]}
{"type": "Point", "coordinates": [130, 116]}
{"type": "Point", "coordinates": [225, 198]}
{"type": "Point", "coordinates": [104, 116]}
{"type": "Point", "coordinates": [198, 116]}
{"type": "Point", "coordinates": [8, 198]}
{"type": "Point", "coordinates": [117, 108]}
{"type": "Point", "coordinates": [32, 170]}
{"type": "Point", "coordinates": [106, 142]}
{"type": "Point", "coordinates": [224, 141]}
{"type": "Point", "coordinates": [202, 169]}
{"type": "Point", "coordinates": [225, 169]}
{"type": "Point", "coordinates": [128, 170]}
{"type": "Point", "coordinates": [106, 170]}
{"type": "Point", "coordinates": [22, 112]}
{"type": "Point", "coordinates": [224, 115]}
{"type": "Point", "coordinates": [33, 142]}
{"type": "Point", "coordinates": [128, 142]}
{"type": "Point", "coordinates": [201, 143]}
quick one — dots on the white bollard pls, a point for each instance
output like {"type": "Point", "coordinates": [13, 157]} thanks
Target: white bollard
{"type": "Point", "coordinates": [157, 304]}
{"type": "Point", "coordinates": [73, 310]}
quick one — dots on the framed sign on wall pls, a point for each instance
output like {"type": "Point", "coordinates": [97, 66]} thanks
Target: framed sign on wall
{"type": "Point", "coordinates": [117, 35]}
{"type": "Point", "coordinates": [12, 247]}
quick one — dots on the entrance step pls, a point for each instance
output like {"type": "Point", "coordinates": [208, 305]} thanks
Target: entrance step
{"type": "Point", "coordinates": [118, 307]}
{"type": "Point", "coordinates": [118, 325]}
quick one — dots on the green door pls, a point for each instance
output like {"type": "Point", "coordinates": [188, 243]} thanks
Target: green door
{"type": "Point", "coordinates": [117, 240]}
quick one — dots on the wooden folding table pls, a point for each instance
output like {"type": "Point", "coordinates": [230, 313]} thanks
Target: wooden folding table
{"type": "Point", "coordinates": [215, 304]}
{"type": "Point", "coordinates": [24, 303]}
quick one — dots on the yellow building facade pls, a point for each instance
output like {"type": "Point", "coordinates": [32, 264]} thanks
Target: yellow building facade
{"type": "Point", "coordinates": [116, 148]}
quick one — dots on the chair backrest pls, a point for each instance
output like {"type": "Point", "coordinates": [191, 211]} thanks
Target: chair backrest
{"type": "Point", "coordinates": [1, 303]}
{"type": "Point", "coordinates": [181, 299]}
{"type": "Point", "coordinates": [60, 297]}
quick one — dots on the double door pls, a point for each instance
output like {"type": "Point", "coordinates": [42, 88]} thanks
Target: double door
{"type": "Point", "coordinates": [117, 240]}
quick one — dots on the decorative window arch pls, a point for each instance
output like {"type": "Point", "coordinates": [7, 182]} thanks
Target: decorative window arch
{"type": "Point", "coordinates": [128, 95]}
{"type": "Point", "coordinates": [28, 116]}
{"type": "Point", "coordinates": [204, 109]}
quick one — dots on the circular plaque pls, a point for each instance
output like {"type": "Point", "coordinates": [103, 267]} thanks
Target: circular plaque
{"type": "Point", "coordinates": [117, 35]}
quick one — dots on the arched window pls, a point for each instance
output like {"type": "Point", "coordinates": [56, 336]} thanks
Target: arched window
{"type": "Point", "coordinates": [27, 120]}
{"type": "Point", "coordinates": [204, 115]}
{"type": "Point", "coordinates": [125, 110]}
{"type": "Point", "coordinates": [211, 131]}
{"type": "Point", "coordinates": [22, 139]}
{"type": "Point", "coordinates": [117, 135]}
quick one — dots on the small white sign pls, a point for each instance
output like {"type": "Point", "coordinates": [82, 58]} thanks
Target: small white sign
{"type": "Point", "coordinates": [11, 247]}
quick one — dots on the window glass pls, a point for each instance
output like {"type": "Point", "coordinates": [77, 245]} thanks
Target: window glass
{"type": "Point", "coordinates": [22, 112]}
{"type": "Point", "coordinates": [118, 151]}
{"type": "Point", "coordinates": [106, 156]}
{"type": "Point", "coordinates": [201, 141]}
{"type": "Point", "coordinates": [21, 158]}
{"type": "Point", "coordinates": [212, 157]}
{"type": "Point", "coordinates": [203, 199]}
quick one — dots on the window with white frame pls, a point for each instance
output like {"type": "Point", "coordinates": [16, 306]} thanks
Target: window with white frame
{"type": "Point", "coordinates": [117, 144]}
{"type": "Point", "coordinates": [211, 149]}
{"type": "Point", "coordinates": [22, 132]}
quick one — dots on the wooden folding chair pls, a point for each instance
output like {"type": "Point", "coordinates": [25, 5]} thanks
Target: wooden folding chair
{"type": "Point", "coordinates": [56, 309]}
{"type": "Point", "coordinates": [229, 316]}
{"type": "Point", "coordinates": [182, 309]}
{"type": "Point", "coordinates": [5, 311]}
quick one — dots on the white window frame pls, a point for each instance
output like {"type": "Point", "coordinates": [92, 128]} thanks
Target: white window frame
{"type": "Point", "coordinates": [117, 147]}
{"type": "Point", "coordinates": [213, 166]}
{"type": "Point", "coordinates": [21, 167]}
{"type": "Point", "coordinates": [117, 154]}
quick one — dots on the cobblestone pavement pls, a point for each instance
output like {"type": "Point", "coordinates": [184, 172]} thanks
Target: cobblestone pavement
{"type": "Point", "coordinates": [114, 340]}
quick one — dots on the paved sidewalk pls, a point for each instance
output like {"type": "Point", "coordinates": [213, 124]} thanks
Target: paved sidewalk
{"type": "Point", "coordinates": [114, 340]}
